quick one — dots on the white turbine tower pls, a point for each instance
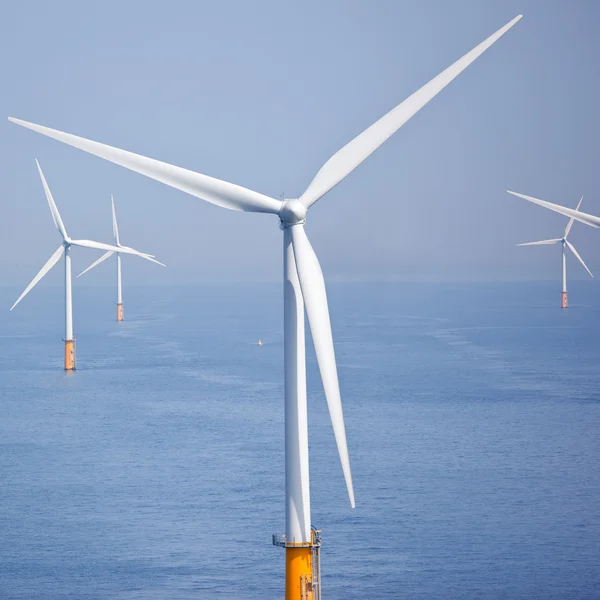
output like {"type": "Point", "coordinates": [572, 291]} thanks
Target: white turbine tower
{"type": "Point", "coordinates": [65, 249]}
{"type": "Point", "coordinates": [564, 242]}
{"type": "Point", "coordinates": [304, 289]}
{"type": "Point", "coordinates": [109, 254]}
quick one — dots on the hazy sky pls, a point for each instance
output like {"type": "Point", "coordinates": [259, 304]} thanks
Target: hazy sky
{"type": "Point", "coordinates": [263, 93]}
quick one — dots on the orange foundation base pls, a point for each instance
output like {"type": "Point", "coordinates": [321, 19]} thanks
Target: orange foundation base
{"type": "Point", "coordinates": [298, 573]}
{"type": "Point", "coordinates": [565, 303]}
{"type": "Point", "coordinates": [69, 355]}
{"type": "Point", "coordinates": [119, 312]}
{"type": "Point", "coordinates": [302, 567]}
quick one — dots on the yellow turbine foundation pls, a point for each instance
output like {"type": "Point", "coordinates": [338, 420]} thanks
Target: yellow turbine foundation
{"type": "Point", "coordinates": [69, 355]}
{"type": "Point", "coordinates": [298, 573]}
{"type": "Point", "coordinates": [565, 302]}
{"type": "Point", "coordinates": [119, 312]}
{"type": "Point", "coordinates": [302, 567]}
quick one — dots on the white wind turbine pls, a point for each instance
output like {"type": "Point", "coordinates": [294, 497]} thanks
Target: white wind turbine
{"type": "Point", "coordinates": [564, 242]}
{"type": "Point", "coordinates": [65, 249]}
{"type": "Point", "coordinates": [304, 289]}
{"type": "Point", "coordinates": [118, 252]}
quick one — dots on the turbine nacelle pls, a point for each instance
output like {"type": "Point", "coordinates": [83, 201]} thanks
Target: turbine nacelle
{"type": "Point", "coordinates": [292, 212]}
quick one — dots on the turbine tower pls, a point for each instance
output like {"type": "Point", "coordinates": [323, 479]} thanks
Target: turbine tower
{"type": "Point", "coordinates": [564, 242]}
{"type": "Point", "coordinates": [65, 249]}
{"type": "Point", "coordinates": [303, 290]}
{"type": "Point", "coordinates": [109, 254]}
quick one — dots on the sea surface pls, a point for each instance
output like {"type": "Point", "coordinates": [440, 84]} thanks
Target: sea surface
{"type": "Point", "coordinates": [156, 470]}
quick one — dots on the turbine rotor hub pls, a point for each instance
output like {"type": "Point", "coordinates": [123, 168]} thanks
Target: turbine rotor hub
{"type": "Point", "coordinates": [292, 212]}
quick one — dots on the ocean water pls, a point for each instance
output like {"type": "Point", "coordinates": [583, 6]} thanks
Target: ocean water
{"type": "Point", "coordinates": [156, 470]}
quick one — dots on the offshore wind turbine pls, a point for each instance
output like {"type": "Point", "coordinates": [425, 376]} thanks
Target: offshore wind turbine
{"type": "Point", "coordinates": [564, 242]}
{"type": "Point", "coordinates": [118, 253]}
{"type": "Point", "coordinates": [304, 289]}
{"type": "Point", "coordinates": [65, 250]}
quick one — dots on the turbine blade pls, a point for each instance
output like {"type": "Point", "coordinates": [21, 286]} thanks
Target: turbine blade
{"type": "Point", "coordinates": [216, 191]}
{"type": "Point", "coordinates": [101, 246]}
{"type": "Point", "coordinates": [590, 220]}
{"type": "Point", "coordinates": [149, 257]}
{"type": "Point", "coordinates": [315, 300]}
{"type": "Point", "coordinates": [578, 257]}
{"type": "Point", "coordinates": [101, 259]}
{"type": "Point", "coordinates": [540, 242]}
{"type": "Point", "coordinates": [570, 223]}
{"type": "Point", "coordinates": [361, 147]}
{"type": "Point", "coordinates": [153, 260]}
{"type": "Point", "coordinates": [114, 219]}
{"type": "Point", "coordinates": [53, 209]}
{"type": "Point", "coordinates": [51, 262]}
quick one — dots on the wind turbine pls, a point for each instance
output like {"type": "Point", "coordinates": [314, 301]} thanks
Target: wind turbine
{"type": "Point", "coordinates": [65, 249]}
{"type": "Point", "coordinates": [118, 252]}
{"type": "Point", "coordinates": [564, 243]}
{"type": "Point", "coordinates": [303, 289]}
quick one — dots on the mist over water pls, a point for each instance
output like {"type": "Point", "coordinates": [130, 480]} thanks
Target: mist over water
{"type": "Point", "coordinates": [156, 470]}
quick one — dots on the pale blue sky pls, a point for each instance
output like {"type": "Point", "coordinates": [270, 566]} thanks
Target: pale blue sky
{"type": "Point", "coordinates": [262, 93]}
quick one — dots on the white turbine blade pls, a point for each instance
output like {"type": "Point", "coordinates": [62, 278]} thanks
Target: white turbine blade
{"type": "Point", "coordinates": [51, 262]}
{"type": "Point", "coordinates": [315, 300]}
{"type": "Point", "coordinates": [590, 220]}
{"type": "Point", "coordinates": [101, 259]}
{"type": "Point", "coordinates": [355, 152]}
{"type": "Point", "coordinates": [540, 242]}
{"type": "Point", "coordinates": [53, 209]}
{"type": "Point", "coordinates": [114, 218]}
{"type": "Point", "coordinates": [578, 257]}
{"type": "Point", "coordinates": [216, 191]}
{"type": "Point", "coordinates": [101, 246]}
{"type": "Point", "coordinates": [149, 257]}
{"type": "Point", "coordinates": [570, 223]}
{"type": "Point", "coordinates": [153, 260]}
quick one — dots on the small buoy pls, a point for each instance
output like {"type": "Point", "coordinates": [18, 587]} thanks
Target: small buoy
{"type": "Point", "coordinates": [259, 343]}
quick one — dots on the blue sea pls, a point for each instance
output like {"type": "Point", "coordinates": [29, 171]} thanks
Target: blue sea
{"type": "Point", "coordinates": [156, 470]}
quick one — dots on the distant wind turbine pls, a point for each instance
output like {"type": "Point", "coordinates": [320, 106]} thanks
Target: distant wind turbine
{"type": "Point", "coordinates": [304, 289]}
{"type": "Point", "coordinates": [118, 252]}
{"type": "Point", "coordinates": [65, 249]}
{"type": "Point", "coordinates": [564, 243]}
